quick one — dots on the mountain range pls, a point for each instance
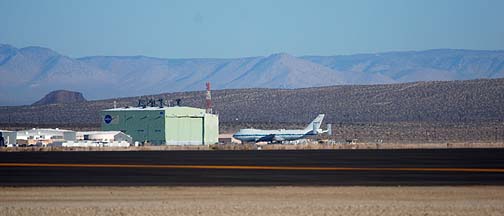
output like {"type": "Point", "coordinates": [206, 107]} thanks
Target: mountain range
{"type": "Point", "coordinates": [27, 74]}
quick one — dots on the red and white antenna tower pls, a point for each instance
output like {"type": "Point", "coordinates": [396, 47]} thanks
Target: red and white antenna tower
{"type": "Point", "coordinates": [208, 98]}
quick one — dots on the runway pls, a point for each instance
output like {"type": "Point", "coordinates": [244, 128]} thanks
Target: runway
{"type": "Point", "coordinates": [236, 168]}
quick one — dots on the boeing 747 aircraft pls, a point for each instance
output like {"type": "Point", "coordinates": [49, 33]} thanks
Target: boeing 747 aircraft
{"type": "Point", "coordinates": [256, 135]}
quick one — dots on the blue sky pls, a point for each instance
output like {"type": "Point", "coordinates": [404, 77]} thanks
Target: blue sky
{"type": "Point", "coordinates": [224, 29]}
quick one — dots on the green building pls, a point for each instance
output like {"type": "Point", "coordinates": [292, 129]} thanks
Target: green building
{"type": "Point", "coordinates": [163, 125]}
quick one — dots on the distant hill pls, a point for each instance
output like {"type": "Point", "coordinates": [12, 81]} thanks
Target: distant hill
{"type": "Point", "coordinates": [27, 74]}
{"type": "Point", "coordinates": [61, 96]}
{"type": "Point", "coordinates": [429, 102]}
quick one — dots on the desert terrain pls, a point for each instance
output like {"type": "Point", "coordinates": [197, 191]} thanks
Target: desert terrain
{"type": "Point", "coordinates": [460, 200]}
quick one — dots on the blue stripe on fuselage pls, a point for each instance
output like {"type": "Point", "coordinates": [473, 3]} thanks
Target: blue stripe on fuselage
{"type": "Point", "coordinates": [252, 137]}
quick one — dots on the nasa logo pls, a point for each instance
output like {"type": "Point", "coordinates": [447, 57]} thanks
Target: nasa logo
{"type": "Point", "coordinates": [107, 119]}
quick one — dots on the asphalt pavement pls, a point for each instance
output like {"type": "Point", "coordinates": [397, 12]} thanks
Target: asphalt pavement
{"type": "Point", "coordinates": [263, 168]}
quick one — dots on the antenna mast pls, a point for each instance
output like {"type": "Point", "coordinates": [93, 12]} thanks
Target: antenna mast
{"type": "Point", "coordinates": [208, 98]}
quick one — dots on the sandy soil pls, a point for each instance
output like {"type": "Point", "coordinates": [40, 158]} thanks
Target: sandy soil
{"type": "Point", "coordinates": [474, 200]}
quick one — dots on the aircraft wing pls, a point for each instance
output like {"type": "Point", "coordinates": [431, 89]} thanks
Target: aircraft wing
{"type": "Point", "coordinates": [278, 138]}
{"type": "Point", "coordinates": [271, 138]}
{"type": "Point", "coordinates": [267, 138]}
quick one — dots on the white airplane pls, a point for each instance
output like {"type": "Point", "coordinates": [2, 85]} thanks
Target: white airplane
{"type": "Point", "coordinates": [256, 135]}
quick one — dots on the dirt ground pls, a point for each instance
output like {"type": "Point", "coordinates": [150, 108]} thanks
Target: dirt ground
{"type": "Point", "coordinates": [56, 201]}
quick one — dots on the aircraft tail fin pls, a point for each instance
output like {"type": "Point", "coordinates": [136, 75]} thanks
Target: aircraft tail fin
{"type": "Point", "coordinates": [314, 126]}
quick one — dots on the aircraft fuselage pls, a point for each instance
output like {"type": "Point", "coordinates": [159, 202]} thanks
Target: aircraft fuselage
{"type": "Point", "coordinates": [256, 135]}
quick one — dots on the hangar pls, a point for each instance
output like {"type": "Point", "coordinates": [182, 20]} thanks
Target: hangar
{"type": "Point", "coordinates": [177, 125]}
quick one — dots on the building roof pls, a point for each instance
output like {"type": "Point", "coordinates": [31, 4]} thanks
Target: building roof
{"type": "Point", "coordinates": [97, 132]}
{"type": "Point", "coordinates": [47, 132]}
{"type": "Point", "coordinates": [169, 111]}
{"type": "Point", "coordinates": [136, 108]}
{"type": "Point", "coordinates": [44, 130]}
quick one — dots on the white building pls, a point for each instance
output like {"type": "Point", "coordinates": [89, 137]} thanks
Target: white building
{"type": "Point", "coordinates": [45, 134]}
{"type": "Point", "coordinates": [7, 138]}
{"type": "Point", "coordinates": [104, 136]}
{"type": "Point", "coordinates": [68, 138]}
{"type": "Point", "coordinates": [100, 139]}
